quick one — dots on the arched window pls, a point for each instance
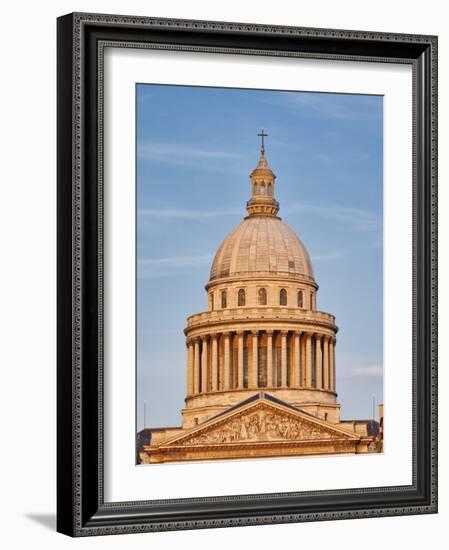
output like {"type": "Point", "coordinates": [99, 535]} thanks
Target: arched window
{"type": "Point", "coordinates": [262, 188]}
{"type": "Point", "coordinates": [262, 296]}
{"type": "Point", "coordinates": [283, 297]}
{"type": "Point", "coordinates": [211, 301]}
{"type": "Point", "coordinates": [269, 189]}
{"type": "Point", "coordinates": [241, 300]}
{"type": "Point", "coordinates": [224, 299]}
{"type": "Point", "coordinates": [300, 298]}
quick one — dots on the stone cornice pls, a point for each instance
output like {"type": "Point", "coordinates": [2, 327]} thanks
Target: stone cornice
{"type": "Point", "coordinates": [261, 313]}
{"type": "Point", "coordinates": [262, 277]}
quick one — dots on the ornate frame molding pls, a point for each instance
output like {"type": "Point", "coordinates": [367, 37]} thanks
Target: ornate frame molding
{"type": "Point", "coordinates": [81, 41]}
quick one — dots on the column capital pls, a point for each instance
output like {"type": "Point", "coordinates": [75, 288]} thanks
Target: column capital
{"type": "Point", "coordinates": [214, 336]}
{"type": "Point", "coordinates": [226, 334]}
{"type": "Point", "coordinates": [255, 332]}
{"type": "Point", "coordinates": [284, 332]}
{"type": "Point", "coordinates": [240, 332]}
{"type": "Point", "coordinates": [269, 332]}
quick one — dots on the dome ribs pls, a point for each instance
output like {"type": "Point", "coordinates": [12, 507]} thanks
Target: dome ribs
{"type": "Point", "coordinates": [262, 245]}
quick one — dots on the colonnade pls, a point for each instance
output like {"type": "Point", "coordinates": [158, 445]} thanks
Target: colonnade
{"type": "Point", "coordinates": [260, 359]}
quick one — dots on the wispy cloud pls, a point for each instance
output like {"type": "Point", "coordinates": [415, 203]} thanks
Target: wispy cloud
{"type": "Point", "coordinates": [335, 157]}
{"type": "Point", "coordinates": [335, 255]}
{"type": "Point", "coordinates": [370, 371]}
{"type": "Point", "coordinates": [190, 214]}
{"type": "Point", "coordinates": [162, 267]}
{"type": "Point", "coordinates": [144, 96]}
{"type": "Point", "coordinates": [355, 218]}
{"type": "Point", "coordinates": [176, 261]}
{"type": "Point", "coordinates": [329, 106]}
{"type": "Point", "coordinates": [185, 155]}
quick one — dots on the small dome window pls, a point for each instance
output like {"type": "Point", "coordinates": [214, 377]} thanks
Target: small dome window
{"type": "Point", "coordinates": [241, 299]}
{"type": "Point", "coordinates": [262, 296]}
{"type": "Point", "coordinates": [269, 189]}
{"type": "Point", "coordinates": [211, 298]}
{"type": "Point", "coordinates": [300, 298]}
{"type": "Point", "coordinates": [224, 299]}
{"type": "Point", "coordinates": [283, 297]}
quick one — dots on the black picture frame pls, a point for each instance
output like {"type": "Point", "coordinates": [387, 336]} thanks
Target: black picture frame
{"type": "Point", "coordinates": [81, 509]}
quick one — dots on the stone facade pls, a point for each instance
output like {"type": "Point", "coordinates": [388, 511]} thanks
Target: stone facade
{"type": "Point", "coordinates": [261, 360]}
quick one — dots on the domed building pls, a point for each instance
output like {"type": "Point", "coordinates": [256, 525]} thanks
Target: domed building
{"type": "Point", "coordinates": [261, 359]}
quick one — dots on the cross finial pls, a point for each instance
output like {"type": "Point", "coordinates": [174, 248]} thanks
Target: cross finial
{"type": "Point", "coordinates": [262, 135]}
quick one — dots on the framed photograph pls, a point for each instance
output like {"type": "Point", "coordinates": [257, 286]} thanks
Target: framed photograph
{"type": "Point", "coordinates": [247, 279]}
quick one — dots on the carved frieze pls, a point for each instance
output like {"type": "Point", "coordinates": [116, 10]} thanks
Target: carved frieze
{"type": "Point", "coordinates": [261, 423]}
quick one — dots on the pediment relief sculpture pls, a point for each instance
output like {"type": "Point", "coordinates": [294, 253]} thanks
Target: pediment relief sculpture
{"type": "Point", "coordinates": [260, 424]}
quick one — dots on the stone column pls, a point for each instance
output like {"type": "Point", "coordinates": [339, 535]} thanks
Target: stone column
{"type": "Point", "coordinates": [284, 359]}
{"type": "Point", "coordinates": [332, 364]}
{"type": "Point", "coordinates": [334, 376]}
{"type": "Point", "coordinates": [190, 375]}
{"type": "Point", "coordinates": [214, 362]}
{"type": "Point", "coordinates": [240, 336]}
{"type": "Point", "coordinates": [308, 360]}
{"type": "Point", "coordinates": [196, 367]}
{"type": "Point", "coordinates": [253, 371]}
{"type": "Point", "coordinates": [296, 381]}
{"type": "Point", "coordinates": [271, 378]}
{"type": "Point", "coordinates": [318, 362]}
{"type": "Point", "coordinates": [227, 362]}
{"type": "Point", "coordinates": [326, 362]}
{"type": "Point", "coordinates": [204, 365]}
{"type": "Point", "coordinates": [302, 358]}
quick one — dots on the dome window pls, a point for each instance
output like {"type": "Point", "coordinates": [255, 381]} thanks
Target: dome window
{"type": "Point", "coordinates": [269, 189]}
{"type": "Point", "coordinates": [300, 298]}
{"type": "Point", "coordinates": [241, 300]}
{"type": "Point", "coordinates": [224, 299]}
{"type": "Point", "coordinates": [262, 188]}
{"type": "Point", "coordinates": [283, 297]}
{"type": "Point", "coordinates": [262, 296]}
{"type": "Point", "coordinates": [211, 297]}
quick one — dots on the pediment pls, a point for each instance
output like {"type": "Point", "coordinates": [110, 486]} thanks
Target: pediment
{"type": "Point", "coordinates": [262, 421]}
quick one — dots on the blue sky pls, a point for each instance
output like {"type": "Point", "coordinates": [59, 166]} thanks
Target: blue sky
{"type": "Point", "coordinates": [195, 150]}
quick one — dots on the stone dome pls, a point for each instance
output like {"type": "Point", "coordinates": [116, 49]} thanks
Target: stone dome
{"type": "Point", "coordinates": [262, 246]}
